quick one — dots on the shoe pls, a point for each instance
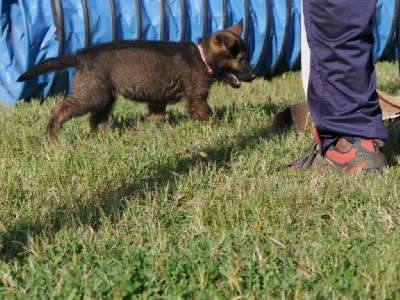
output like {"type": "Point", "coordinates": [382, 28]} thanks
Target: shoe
{"type": "Point", "coordinates": [364, 156]}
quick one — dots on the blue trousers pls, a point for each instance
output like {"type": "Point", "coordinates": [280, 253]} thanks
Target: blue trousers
{"type": "Point", "coordinates": [341, 92]}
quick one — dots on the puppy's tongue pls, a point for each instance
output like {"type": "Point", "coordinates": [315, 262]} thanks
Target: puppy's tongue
{"type": "Point", "coordinates": [233, 80]}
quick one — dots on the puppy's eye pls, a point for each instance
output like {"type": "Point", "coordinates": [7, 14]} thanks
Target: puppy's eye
{"type": "Point", "coordinates": [240, 59]}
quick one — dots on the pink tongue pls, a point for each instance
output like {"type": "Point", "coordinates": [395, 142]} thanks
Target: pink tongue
{"type": "Point", "coordinates": [233, 78]}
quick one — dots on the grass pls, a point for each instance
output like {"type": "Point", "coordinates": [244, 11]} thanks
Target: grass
{"type": "Point", "coordinates": [186, 210]}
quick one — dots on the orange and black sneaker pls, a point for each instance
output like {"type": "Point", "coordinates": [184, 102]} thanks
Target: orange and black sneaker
{"type": "Point", "coordinates": [364, 156]}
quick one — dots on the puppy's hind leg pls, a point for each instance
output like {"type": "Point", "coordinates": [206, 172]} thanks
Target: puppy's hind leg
{"type": "Point", "coordinates": [99, 118]}
{"type": "Point", "coordinates": [61, 113]}
{"type": "Point", "coordinates": [89, 95]}
{"type": "Point", "coordinates": [72, 107]}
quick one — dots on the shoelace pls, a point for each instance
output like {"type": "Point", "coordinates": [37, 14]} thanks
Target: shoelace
{"type": "Point", "coordinates": [378, 145]}
{"type": "Point", "coordinates": [305, 160]}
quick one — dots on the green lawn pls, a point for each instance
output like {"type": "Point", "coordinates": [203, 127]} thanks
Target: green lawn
{"type": "Point", "coordinates": [186, 210]}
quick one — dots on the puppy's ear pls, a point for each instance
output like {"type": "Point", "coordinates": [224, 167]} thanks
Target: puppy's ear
{"type": "Point", "coordinates": [237, 29]}
{"type": "Point", "coordinates": [219, 40]}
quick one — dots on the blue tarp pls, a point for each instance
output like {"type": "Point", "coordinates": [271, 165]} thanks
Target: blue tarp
{"type": "Point", "coordinates": [27, 36]}
{"type": "Point", "coordinates": [385, 22]}
{"type": "Point", "coordinates": [31, 31]}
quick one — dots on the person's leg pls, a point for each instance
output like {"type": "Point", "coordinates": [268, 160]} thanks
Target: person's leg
{"type": "Point", "coordinates": [341, 90]}
{"type": "Point", "coordinates": [339, 82]}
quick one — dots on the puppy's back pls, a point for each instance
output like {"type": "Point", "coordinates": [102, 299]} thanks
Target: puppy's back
{"type": "Point", "coordinates": [143, 70]}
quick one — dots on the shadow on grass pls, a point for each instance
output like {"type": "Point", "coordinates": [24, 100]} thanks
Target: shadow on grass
{"type": "Point", "coordinates": [111, 202]}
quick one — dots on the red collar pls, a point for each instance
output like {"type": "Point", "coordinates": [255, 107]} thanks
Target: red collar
{"type": "Point", "coordinates": [209, 70]}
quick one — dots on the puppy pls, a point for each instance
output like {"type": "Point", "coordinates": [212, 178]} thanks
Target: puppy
{"type": "Point", "coordinates": [155, 72]}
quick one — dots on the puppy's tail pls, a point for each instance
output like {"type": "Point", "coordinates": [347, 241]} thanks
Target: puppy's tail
{"type": "Point", "coordinates": [51, 64]}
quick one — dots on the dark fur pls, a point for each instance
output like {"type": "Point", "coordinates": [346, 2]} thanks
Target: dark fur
{"type": "Point", "coordinates": [155, 72]}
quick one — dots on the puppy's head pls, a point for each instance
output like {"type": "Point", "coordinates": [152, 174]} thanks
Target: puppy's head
{"type": "Point", "coordinates": [228, 56]}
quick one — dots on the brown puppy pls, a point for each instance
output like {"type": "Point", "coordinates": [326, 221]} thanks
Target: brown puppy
{"type": "Point", "coordinates": [155, 72]}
